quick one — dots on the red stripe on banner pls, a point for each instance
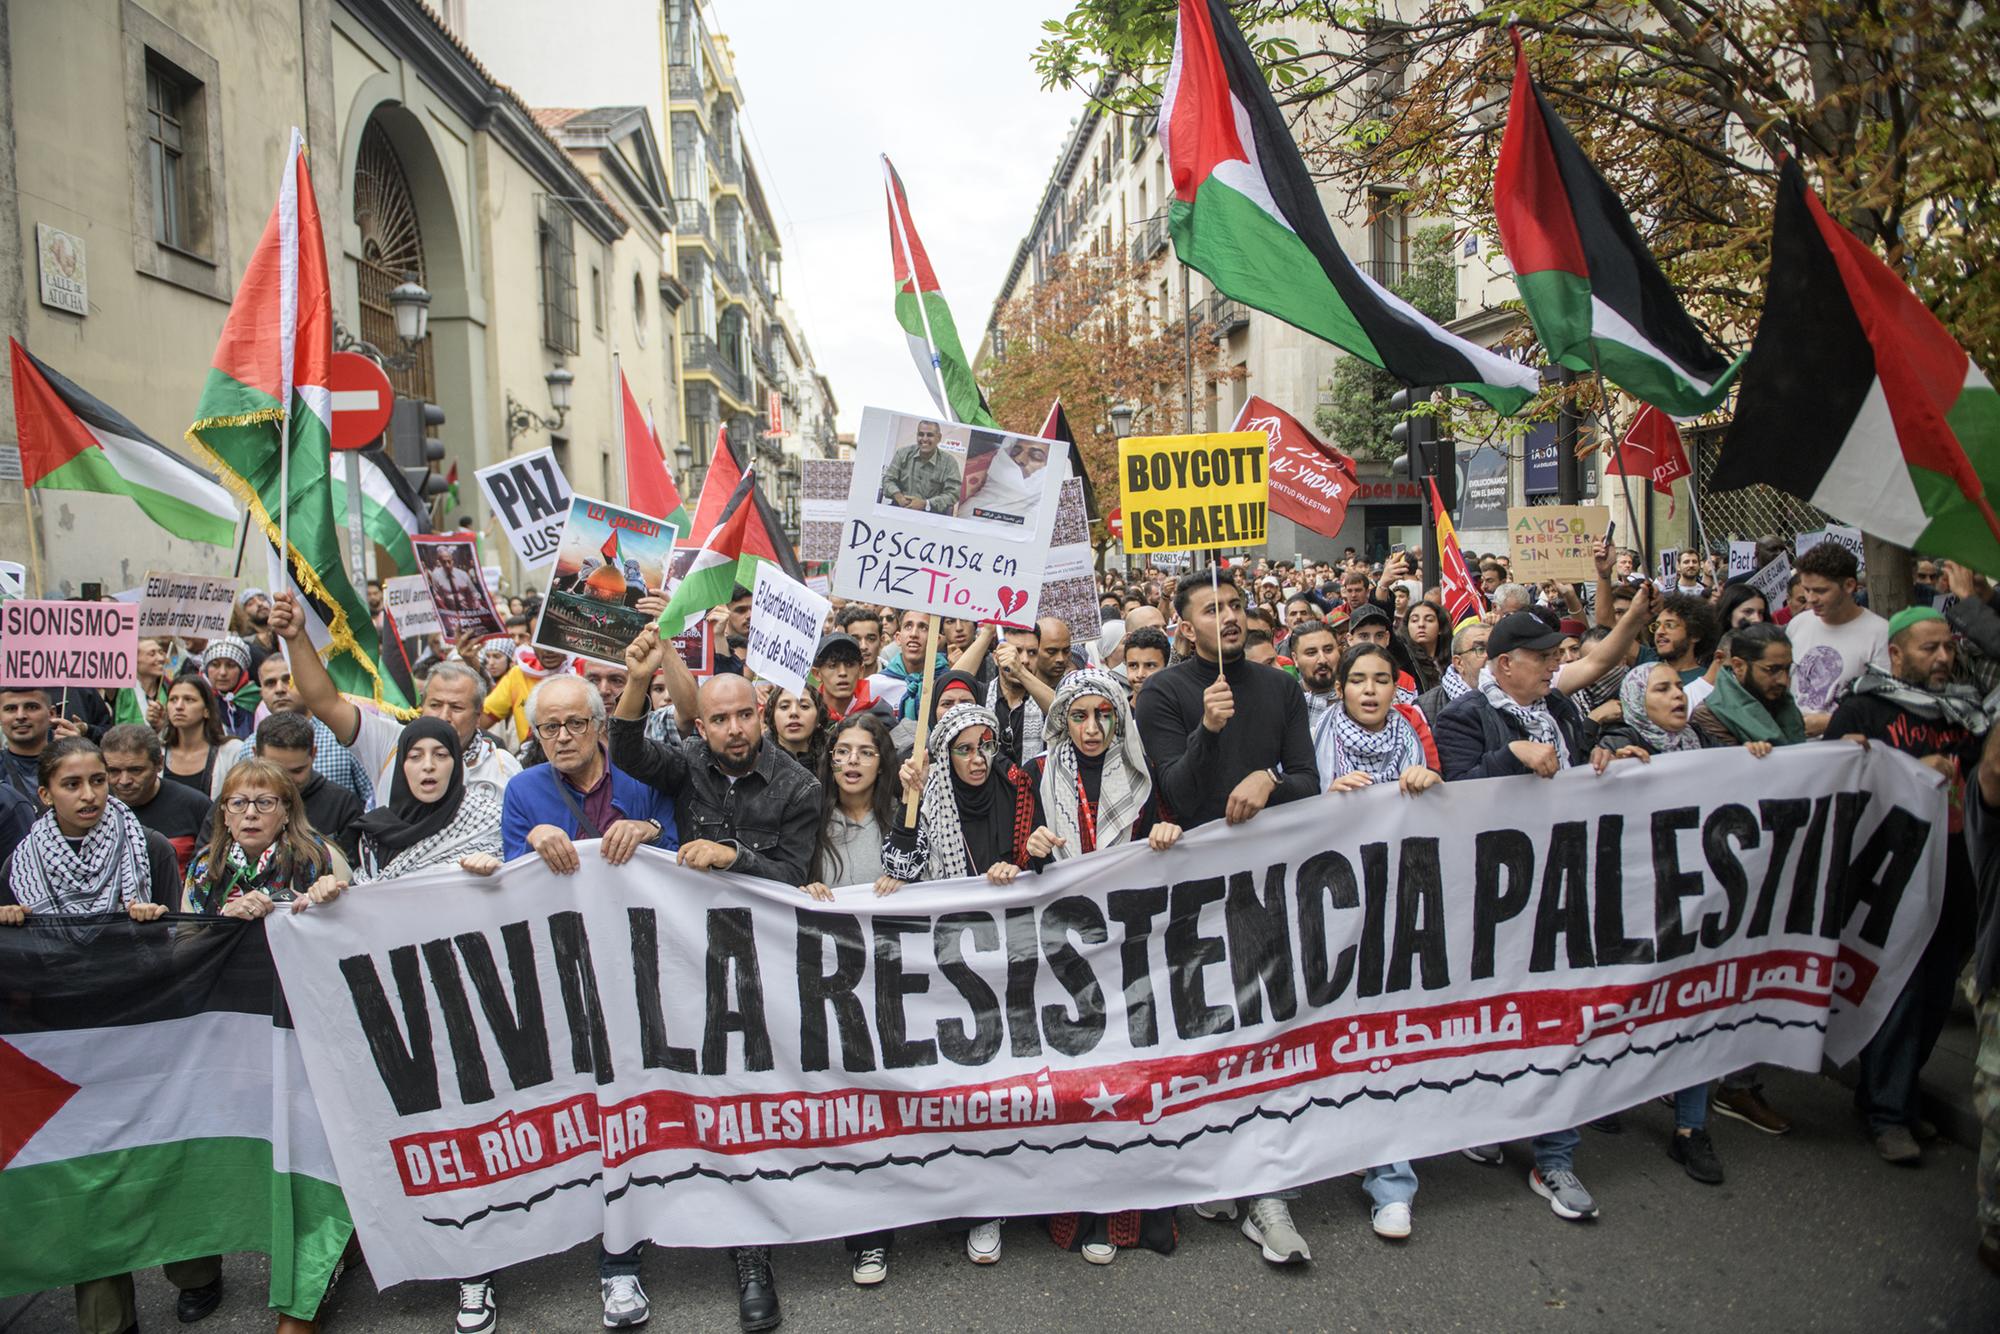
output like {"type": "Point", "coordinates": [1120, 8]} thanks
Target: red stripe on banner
{"type": "Point", "coordinates": [1140, 1091]}
{"type": "Point", "coordinates": [1530, 201]}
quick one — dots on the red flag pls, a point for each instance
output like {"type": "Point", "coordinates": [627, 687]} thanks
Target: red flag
{"type": "Point", "coordinates": [1456, 584]}
{"type": "Point", "coordinates": [1652, 448]}
{"type": "Point", "coordinates": [1311, 482]}
{"type": "Point", "coordinates": [724, 472]}
{"type": "Point", "coordinates": [649, 487]}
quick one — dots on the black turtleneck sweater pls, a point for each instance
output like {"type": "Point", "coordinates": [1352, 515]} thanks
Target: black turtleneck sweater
{"type": "Point", "coordinates": [1194, 769]}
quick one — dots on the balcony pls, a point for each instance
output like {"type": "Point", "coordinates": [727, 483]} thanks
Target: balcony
{"type": "Point", "coordinates": [699, 353]}
{"type": "Point", "coordinates": [692, 216]}
{"type": "Point", "coordinates": [1152, 238]}
{"type": "Point", "coordinates": [684, 81]}
{"type": "Point", "coordinates": [731, 274]}
{"type": "Point", "coordinates": [725, 166]}
{"type": "Point", "coordinates": [1388, 272]}
{"type": "Point", "coordinates": [1227, 315]}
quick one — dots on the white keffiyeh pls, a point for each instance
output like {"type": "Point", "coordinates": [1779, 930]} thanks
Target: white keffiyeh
{"type": "Point", "coordinates": [105, 871]}
{"type": "Point", "coordinates": [1342, 746]}
{"type": "Point", "coordinates": [1536, 718]}
{"type": "Point", "coordinates": [1031, 719]}
{"type": "Point", "coordinates": [1454, 684]}
{"type": "Point", "coordinates": [1126, 784]}
{"type": "Point", "coordinates": [937, 809]}
{"type": "Point", "coordinates": [475, 828]}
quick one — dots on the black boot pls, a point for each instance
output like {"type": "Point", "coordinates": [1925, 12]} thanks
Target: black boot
{"type": "Point", "coordinates": [756, 1289]}
{"type": "Point", "coordinates": [198, 1303]}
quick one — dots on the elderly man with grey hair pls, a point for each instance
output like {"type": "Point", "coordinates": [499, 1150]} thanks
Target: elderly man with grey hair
{"type": "Point", "coordinates": [1511, 598]}
{"type": "Point", "coordinates": [454, 691]}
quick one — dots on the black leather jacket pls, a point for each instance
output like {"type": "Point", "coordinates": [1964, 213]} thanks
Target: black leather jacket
{"type": "Point", "coordinates": [769, 815]}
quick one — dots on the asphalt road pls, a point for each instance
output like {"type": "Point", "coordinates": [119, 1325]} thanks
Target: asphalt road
{"type": "Point", "coordinates": [1810, 1232]}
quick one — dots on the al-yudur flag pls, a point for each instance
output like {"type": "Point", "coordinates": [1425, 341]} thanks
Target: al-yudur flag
{"type": "Point", "coordinates": [264, 414]}
{"type": "Point", "coordinates": [73, 441]}
{"type": "Point", "coordinates": [1857, 400]}
{"type": "Point", "coordinates": [154, 1107]}
{"type": "Point", "coordinates": [1586, 277]}
{"type": "Point", "coordinates": [1245, 213]}
{"type": "Point", "coordinates": [926, 319]}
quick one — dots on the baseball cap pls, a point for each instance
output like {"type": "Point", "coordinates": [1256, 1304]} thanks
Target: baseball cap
{"type": "Point", "coordinates": [1366, 614]}
{"type": "Point", "coordinates": [1521, 629]}
{"type": "Point", "coordinates": [828, 643]}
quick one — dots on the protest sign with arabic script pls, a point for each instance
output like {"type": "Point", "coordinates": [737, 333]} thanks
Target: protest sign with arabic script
{"type": "Point", "coordinates": [510, 1067]}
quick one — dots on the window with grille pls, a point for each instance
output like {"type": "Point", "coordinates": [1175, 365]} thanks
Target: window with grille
{"type": "Point", "coordinates": [557, 243]}
{"type": "Point", "coordinates": [168, 140]}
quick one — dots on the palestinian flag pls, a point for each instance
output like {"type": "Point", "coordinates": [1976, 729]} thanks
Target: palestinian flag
{"type": "Point", "coordinates": [451, 487]}
{"type": "Point", "coordinates": [717, 486]}
{"type": "Point", "coordinates": [1245, 213]}
{"type": "Point", "coordinates": [649, 487]}
{"type": "Point", "coordinates": [71, 441]}
{"type": "Point", "coordinates": [679, 517]}
{"type": "Point", "coordinates": [1597, 299]}
{"type": "Point", "coordinates": [1056, 427]}
{"type": "Point", "coordinates": [1856, 400]}
{"type": "Point", "coordinates": [926, 319]}
{"type": "Point", "coordinates": [747, 534]}
{"type": "Point", "coordinates": [1455, 584]}
{"type": "Point", "coordinates": [391, 513]}
{"type": "Point", "coordinates": [262, 422]}
{"type": "Point", "coordinates": [154, 1107]}
{"type": "Point", "coordinates": [610, 548]}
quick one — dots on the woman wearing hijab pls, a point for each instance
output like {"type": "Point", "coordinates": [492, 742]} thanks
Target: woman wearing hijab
{"type": "Point", "coordinates": [263, 853]}
{"type": "Point", "coordinates": [433, 817]}
{"type": "Point", "coordinates": [1094, 792]}
{"type": "Point", "coordinates": [86, 852]}
{"type": "Point", "coordinates": [1655, 722]}
{"type": "Point", "coordinates": [976, 817]}
{"type": "Point", "coordinates": [951, 689]}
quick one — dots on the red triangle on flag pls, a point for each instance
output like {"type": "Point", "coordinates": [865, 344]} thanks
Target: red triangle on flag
{"type": "Point", "coordinates": [723, 474]}
{"type": "Point", "coordinates": [30, 1093]}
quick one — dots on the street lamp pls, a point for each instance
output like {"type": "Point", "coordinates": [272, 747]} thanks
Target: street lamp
{"type": "Point", "coordinates": [1121, 419]}
{"type": "Point", "coordinates": [522, 419]}
{"type": "Point", "coordinates": [411, 305]}
{"type": "Point", "coordinates": [684, 457]}
{"type": "Point", "coordinates": [559, 382]}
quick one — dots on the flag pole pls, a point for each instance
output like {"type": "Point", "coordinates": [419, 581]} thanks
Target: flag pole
{"type": "Point", "coordinates": [897, 203]}
{"type": "Point", "coordinates": [34, 542]}
{"type": "Point", "coordinates": [924, 687]}
{"type": "Point", "coordinates": [1618, 448]}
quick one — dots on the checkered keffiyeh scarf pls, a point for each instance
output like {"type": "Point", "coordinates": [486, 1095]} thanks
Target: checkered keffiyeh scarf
{"type": "Point", "coordinates": [106, 870]}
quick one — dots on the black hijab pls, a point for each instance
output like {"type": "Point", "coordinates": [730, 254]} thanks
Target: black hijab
{"type": "Point", "coordinates": [986, 813]}
{"type": "Point", "coordinates": [951, 678]}
{"type": "Point", "coordinates": [405, 821]}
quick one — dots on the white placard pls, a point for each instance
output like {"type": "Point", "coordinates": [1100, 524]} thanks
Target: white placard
{"type": "Point", "coordinates": [530, 496]}
{"type": "Point", "coordinates": [193, 606]}
{"type": "Point", "coordinates": [1773, 581]}
{"type": "Point", "coordinates": [974, 535]}
{"type": "Point", "coordinates": [407, 599]}
{"type": "Point", "coordinates": [785, 622]}
{"type": "Point", "coordinates": [1742, 558]}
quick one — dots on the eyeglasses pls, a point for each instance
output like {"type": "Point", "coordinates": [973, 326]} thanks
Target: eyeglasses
{"type": "Point", "coordinates": [856, 753]}
{"type": "Point", "coordinates": [986, 748]}
{"type": "Point", "coordinates": [549, 730]}
{"type": "Point", "coordinates": [261, 805]}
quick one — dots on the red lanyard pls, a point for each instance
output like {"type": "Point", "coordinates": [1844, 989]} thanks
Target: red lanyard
{"type": "Point", "coordinates": [1087, 816]}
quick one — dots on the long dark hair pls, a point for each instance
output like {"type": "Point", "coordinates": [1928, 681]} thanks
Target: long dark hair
{"type": "Point", "coordinates": [212, 725]}
{"type": "Point", "coordinates": [1429, 663]}
{"type": "Point", "coordinates": [888, 787]}
{"type": "Point", "coordinates": [815, 740]}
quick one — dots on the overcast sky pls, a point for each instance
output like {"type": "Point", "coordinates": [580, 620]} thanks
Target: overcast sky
{"type": "Point", "coordinates": [948, 92]}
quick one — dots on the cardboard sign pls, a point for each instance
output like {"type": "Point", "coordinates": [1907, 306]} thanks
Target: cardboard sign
{"type": "Point", "coordinates": [449, 563]}
{"type": "Point", "coordinates": [1742, 558]}
{"type": "Point", "coordinates": [530, 496]}
{"type": "Point", "coordinates": [1554, 542]}
{"type": "Point", "coordinates": [407, 599]}
{"type": "Point", "coordinates": [609, 558]}
{"type": "Point", "coordinates": [1838, 533]}
{"type": "Point", "coordinates": [1194, 492]}
{"type": "Point", "coordinates": [1312, 483]}
{"type": "Point", "coordinates": [785, 621]}
{"type": "Point", "coordinates": [69, 643]}
{"type": "Point", "coordinates": [1773, 581]}
{"type": "Point", "coordinates": [194, 606]}
{"type": "Point", "coordinates": [1670, 565]}
{"type": "Point", "coordinates": [927, 530]}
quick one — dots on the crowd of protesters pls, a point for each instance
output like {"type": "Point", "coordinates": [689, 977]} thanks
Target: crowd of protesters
{"type": "Point", "coordinates": [239, 781]}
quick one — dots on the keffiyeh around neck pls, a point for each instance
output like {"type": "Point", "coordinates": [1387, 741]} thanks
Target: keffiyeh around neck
{"type": "Point", "coordinates": [1125, 784]}
{"type": "Point", "coordinates": [1536, 718]}
{"type": "Point", "coordinates": [1343, 746]}
{"type": "Point", "coordinates": [1632, 699]}
{"type": "Point", "coordinates": [967, 828]}
{"type": "Point", "coordinates": [105, 871]}
{"type": "Point", "coordinates": [1454, 684]}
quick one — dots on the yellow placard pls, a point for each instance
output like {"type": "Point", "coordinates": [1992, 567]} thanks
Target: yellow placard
{"type": "Point", "coordinates": [1194, 492]}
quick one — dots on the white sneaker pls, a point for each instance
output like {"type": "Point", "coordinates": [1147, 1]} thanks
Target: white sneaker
{"type": "Point", "coordinates": [982, 1244]}
{"type": "Point", "coordinates": [1269, 1224]}
{"type": "Point", "coordinates": [1392, 1221]}
{"type": "Point", "coordinates": [1099, 1252]}
{"type": "Point", "coordinates": [478, 1312]}
{"type": "Point", "coordinates": [871, 1266]}
{"type": "Point", "coordinates": [625, 1303]}
{"type": "Point", "coordinates": [1223, 1210]}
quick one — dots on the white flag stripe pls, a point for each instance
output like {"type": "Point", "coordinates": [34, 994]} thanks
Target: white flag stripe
{"type": "Point", "coordinates": [143, 465]}
{"type": "Point", "coordinates": [1868, 479]}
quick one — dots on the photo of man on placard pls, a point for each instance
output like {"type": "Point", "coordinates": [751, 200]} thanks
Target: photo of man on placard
{"type": "Point", "coordinates": [922, 475]}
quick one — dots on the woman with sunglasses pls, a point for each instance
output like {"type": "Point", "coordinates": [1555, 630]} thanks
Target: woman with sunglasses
{"type": "Point", "coordinates": [1093, 791]}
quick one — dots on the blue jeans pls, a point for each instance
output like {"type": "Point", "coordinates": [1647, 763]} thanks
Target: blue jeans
{"type": "Point", "coordinates": [619, 1266]}
{"type": "Point", "coordinates": [1392, 1183]}
{"type": "Point", "coordinates": [1691, 1108]}
{"type": "Point", "coordinates": [1555, 1151]}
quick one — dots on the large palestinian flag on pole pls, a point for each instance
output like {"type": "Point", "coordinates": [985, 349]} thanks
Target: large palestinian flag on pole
{"type": "Point", "coordinates": [718, 484]}
{"type": "Point", "coordinates": [747, 534]}
{"type": "Point", "coordinates": [154, 1107]}
{"type": "Point", "coordinates": [391, 512]}
{"type": "Point", "coordinates": [73, 441]}
{"type": "Point", "coordinates": [1857, 400]}
{"type": "Point", "coordinates": [926, 319]}
{"type": "Point", "coordinates": [1597, 299]}
{"type": "Point", "coordinates": [1245, 213]}
{"type": "Point", "coordinates": [263, 423]}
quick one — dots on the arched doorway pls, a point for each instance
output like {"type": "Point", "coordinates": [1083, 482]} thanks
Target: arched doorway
{"type": "Point", "coordinates": [392, 248]}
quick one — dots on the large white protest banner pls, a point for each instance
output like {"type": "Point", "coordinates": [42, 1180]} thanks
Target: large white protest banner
{"type": "Point", "coordinates": [949, 519]}
{"type": "Point", "coordinates": [786, 618]}
{"type": "Point", "coordinates": [194, 606]}
{"type": "Point", "coordinates": [530, 496]}
{"type": "Point", "coordinates": [407, 599]}
{"type": "Point", "coordinates": [509, 1067]}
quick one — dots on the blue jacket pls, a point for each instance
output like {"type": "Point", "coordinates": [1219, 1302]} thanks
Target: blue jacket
{"type": "Point", "coordinates": [530, 798]}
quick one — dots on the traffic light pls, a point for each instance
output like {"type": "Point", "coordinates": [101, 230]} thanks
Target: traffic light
{"type": "Point", "coordinates": [1417, 435]}
{"type": "Point", "coordinates": [414, 448]}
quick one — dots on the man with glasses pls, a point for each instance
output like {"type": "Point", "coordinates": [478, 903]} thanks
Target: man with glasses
{"type": "Point", "coordinates": [1468, 655]}
{"type": "Point", "coordinates": [578, 793]}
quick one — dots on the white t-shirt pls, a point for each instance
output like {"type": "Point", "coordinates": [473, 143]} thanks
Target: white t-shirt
{"type": "Point", "coordinates": [1698, 690]}
{"type": "Point", "coordinates": [1826, 657]}
{"type": "Point", "coordinates": [375, 747]}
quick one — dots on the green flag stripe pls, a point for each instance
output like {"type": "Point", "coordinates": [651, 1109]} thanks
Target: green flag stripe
{"type": "Point", "coordinates": [92, 470]}
{"type": "Point", "coordinates": [381, 524]}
